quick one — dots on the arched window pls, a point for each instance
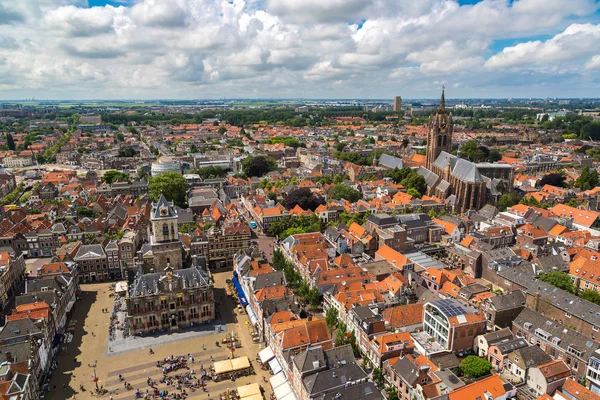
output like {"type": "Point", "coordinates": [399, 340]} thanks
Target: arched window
{"type": "Point", "coordinates": [444, 140]}
{"type": "Point", "coordinates": [165, 230]}
{"type": "Point", "coordinates": [172, 229]}
{"type": "Point", "coordinates": [439, 140]}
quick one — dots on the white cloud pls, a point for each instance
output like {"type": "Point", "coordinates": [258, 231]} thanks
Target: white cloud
{"type": "Point", "coordinates": [250, 48]}
{"type": "Point", "coordinates": [575, 42]}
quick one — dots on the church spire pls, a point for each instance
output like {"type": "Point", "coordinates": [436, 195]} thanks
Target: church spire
{"type": "Point", "coordinates": [443, 101]}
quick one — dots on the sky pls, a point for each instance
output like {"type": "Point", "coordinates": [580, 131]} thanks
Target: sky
{"type": "Point", "coordinates": [212, 49]}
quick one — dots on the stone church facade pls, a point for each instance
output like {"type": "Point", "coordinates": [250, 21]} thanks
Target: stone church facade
{"type": "Point", "coordinates": [449, 177]}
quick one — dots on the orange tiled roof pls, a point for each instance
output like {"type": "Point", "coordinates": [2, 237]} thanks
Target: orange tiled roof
{"type": "Point", "coordinates": [492, 384]}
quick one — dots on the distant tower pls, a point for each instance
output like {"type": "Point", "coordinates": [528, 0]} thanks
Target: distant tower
{"type": "Point", "coordinates": [397, 103]}
{"type": "Point", "coordinates": [439, 137]}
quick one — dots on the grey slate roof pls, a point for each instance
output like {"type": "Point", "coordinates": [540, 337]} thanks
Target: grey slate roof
{"type": "Point", "coordinates": [498, 336]}
{"type": "Point", "coordinates": [333, 379]}
{"type": "Point", "coordinates": [390, 161]}
{"type": "Point", "coordinates": [406, 370]}
{"type": "Point", "coordinates": [466, 171]}
{"type": "Point", "coordinates": [568, 337]}
{"type": "Point", "coordinates": [509, 300]}
{"type": "Point", "coordinates": [162, 203]}
{"type": "Point", "coordinates": [89, 252]}
{"type": "Point", "coordinates": [559, 298]}
{"type": "Point", "coordinates": [311, 359]}
{"type": "Point", "coordinates": [150, 283]}
{"type": "Point", "coordinates": [275, 278]}
{"type": "Point", "coordinates": [362, 391]}
{"type": "Point", "coordinates": [511, 345]}
{"type": "Point", "coordinates": [430, 178]}
{"type": "Point", "coordinates": [533, 356]}
{"type": "Point", "coordinates": [444, 158]}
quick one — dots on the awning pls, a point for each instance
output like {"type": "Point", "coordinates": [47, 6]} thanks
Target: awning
{"type": "Point", "coordinates": [274, 365]}
{"type": "Point", "coordinates": [252, 315]}
{"type": "Point", "coordinates": [277, 380]}
{"type": "Point", "coordinates": [283, 391]}
{"type": "Point", "coordinates": [240, 292]}
{"type": "Point", "coordinates": [266, 354]}
{"type": "Point", "coordinates": [69, 306]}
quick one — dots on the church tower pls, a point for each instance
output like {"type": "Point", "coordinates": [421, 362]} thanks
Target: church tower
{"type": "Point", "coordinates": [439, 137]}
{"type": "Point", "coordinates": [165, 240]}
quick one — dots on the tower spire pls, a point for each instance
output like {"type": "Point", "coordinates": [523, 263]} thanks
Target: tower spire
{"type": "Point", "coordinates": [443, 101]}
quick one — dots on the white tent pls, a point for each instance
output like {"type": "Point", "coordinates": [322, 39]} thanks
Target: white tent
{"type": "Point", "coordinates": [248, 390]}
{"type": "Point", "coordinates": [266, 354]}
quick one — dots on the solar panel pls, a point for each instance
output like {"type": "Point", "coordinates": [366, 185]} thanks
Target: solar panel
{"type": "Point", "coordinates": [449, 307]}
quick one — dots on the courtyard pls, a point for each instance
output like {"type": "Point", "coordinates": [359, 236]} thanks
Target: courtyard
{"type": "Point", "coordinates": [86, 355]}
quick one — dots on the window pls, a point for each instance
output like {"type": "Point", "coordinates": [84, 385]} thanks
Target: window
{"type": "Point", "coordinates": [172, 306]}
{"type": "Point", "coordinates": [516, 359]}
{"type": "Point", "coordinates": [567, 315]}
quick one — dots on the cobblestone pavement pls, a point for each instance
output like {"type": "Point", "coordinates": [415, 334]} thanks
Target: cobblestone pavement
{"type": "Point", "coordinates": [76, 360]}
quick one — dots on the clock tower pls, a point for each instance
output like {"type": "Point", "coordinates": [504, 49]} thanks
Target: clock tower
{"type": "Point", "coordinates": [164, 239]}
{"type": "Point", "coordinates": [439, 137]}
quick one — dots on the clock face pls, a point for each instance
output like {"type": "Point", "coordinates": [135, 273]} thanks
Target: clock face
{"type": "Point", "coordinates": [164, 211]}
{"type": "Point", "coordinates": [443, 125]}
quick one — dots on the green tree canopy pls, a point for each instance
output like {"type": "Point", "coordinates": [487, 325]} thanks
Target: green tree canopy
{"type": "Point", "coordinates": [172, 185]}
{"type": "Point", "coordinates": [508, 200]}
{"type": "Point", "coordinates": [472, 151]}
{"type": "Point", "coordinates": [112, 176]}
{"type": "Point", "coordinates": [590, 295]}
{"type": "Point", "coordinates": [127, 151]}
{"type": "Point", "coordinates": [346, 192]}
{"type": "Point", "coordinates": [304, 198]}
{"type": "Point", "coordinates": [474, 367]}
{"type": "Point", "coordinates": [559, 279]}
{"type": "Point", "coordinates": [211, 172]}
{"type": "Point", "coordinates": [258, 165]}
{"type": "Point", "coordinates": [588, 179]}
{"type": "Point", "coordinates": [494, 156]}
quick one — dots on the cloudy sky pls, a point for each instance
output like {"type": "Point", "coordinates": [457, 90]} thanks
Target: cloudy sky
{"type": "Point", "coordinates": [197, 49]}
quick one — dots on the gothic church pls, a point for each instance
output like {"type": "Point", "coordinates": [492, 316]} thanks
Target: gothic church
{"type": "Point", "coordinates": [451, 178]}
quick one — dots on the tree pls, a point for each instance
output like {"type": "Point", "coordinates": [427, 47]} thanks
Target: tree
{"type": "Point", "coordinates": [127, 151]}
{"type": "Point", "coordinates": [414, 193]}
{"type": "Point", "coordinates": [588, 179]}
{"type": "Point", "coordinates": [342, 191]}
{"type": "Point", "coordinates": [85, 212]}
{"type": "Point", "coordinates": [494, 156]}
{"type": "Point", "coordinates": [415, 181]}
{"type": "Point", "coordinates": [222, 130]}
{"type": "Point", "coordinates": [474, 367]}
{"type": "Point", "coordinates": [472, 151]}
{"type": "Point", "coordinates": [378, 378]}
{"type": "Point", "coordinates": [304, 198]}
{"type": "Point", "coordinates": [508, 200]}
{"type": "Point", "coordinates": [591, 296]}
{"type": "Point", "coordinates": [211, 172]}
{"type": "Point", "coordinates": [405, 142]}
{"type": "Point", "coordinates": [172, 185]}
{"type": "Point", "coordinates": [561, 280]}
{"type": "Point", "coordinates": [392, 393]}
{"type": "Point", "coordinates": [10, 142]}
{"type": "Point", "coordinates": [258, 166]}
{"type": "Point", "coordinates": [314, 297]}
{"type": "Point", "coordinates": [331, 318]}
{"type": "Point", "coordinates": [112, 176]}
{"type": "Point", "coordinates": [553, 179]}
